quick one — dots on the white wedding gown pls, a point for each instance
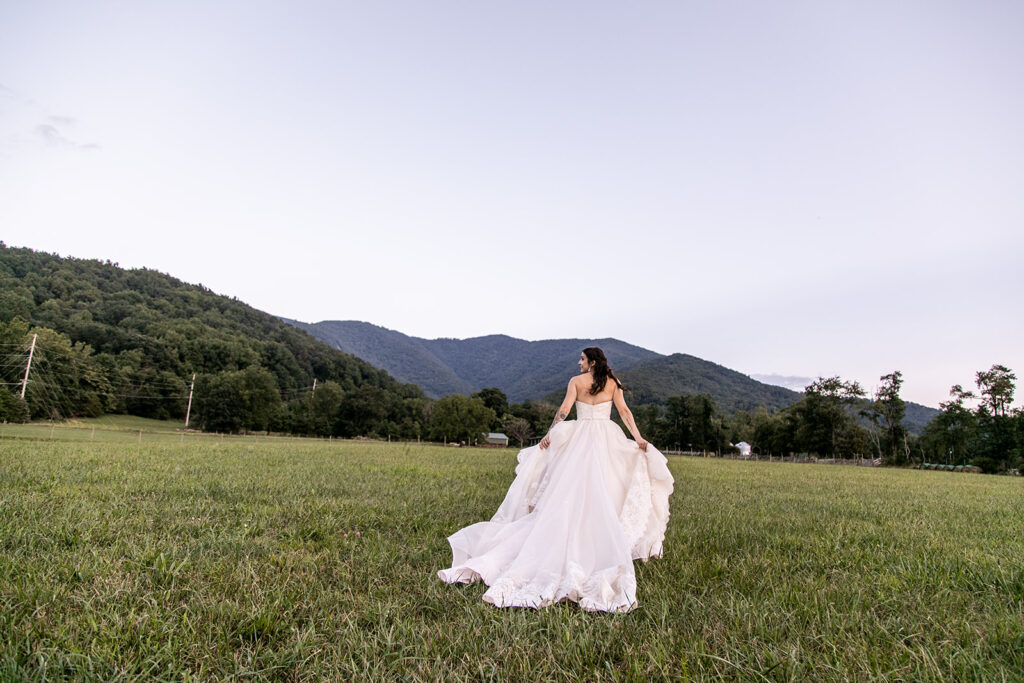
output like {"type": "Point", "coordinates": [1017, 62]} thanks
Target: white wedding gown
{"type": "Point", "coordinates": [574, 519]}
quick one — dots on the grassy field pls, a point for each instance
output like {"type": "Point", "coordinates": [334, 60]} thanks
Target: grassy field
{"type": "Point", "coordinates": [123, 429]}
{"type": "Point", "coordinates": [310, 560]}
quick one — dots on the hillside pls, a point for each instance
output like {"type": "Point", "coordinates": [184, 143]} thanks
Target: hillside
{"type": "Point", "coordinates": [405, 357]}
{"type": "Point", "coordinates": [526, 369]}
{"type": "Point", "coordinates": [656, 379]}
{"type": "Point", "coordinates": [522, 369]}
{"type": "Point", "coordinates": [537, 370]}
{"type": "Point", "coordinates": [917, 417]}
{"type": "Point", "coordinates": [128, 341]}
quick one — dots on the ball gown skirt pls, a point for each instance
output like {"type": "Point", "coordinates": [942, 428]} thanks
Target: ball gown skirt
{"type": "Point", "coordinates": [575, 517]}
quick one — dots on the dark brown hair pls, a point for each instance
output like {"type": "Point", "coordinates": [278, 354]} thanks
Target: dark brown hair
{"type": "Point", "coordinates": [599, 366]}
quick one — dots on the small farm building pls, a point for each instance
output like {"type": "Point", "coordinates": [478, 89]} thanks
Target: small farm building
{"type": "Point", "coordinates": [497, 439]}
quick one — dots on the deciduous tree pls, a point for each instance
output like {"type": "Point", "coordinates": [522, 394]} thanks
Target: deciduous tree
{"type": "Point", "coordinates": [458, 417]}
{"type": "Point", "coordinates": [823, 415]}
{"type": "Point", "coordinates": [519, 429]}
{"type": "Point", "coordinates": [947, 437]}
{"type": "Point", "coordinates": [887, 413]}
{"type": "Point", "coordinates": [495, 399]}
{"type": "Point", "coordinates": [996, 387]}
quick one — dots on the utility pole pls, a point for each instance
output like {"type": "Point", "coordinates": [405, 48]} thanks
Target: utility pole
{"type": "Point", "coordinates": [31, 351]}
{"type": "Point", "coordinates": [188, 411]}
{"type": "Point", "coordinates": [314, 385]}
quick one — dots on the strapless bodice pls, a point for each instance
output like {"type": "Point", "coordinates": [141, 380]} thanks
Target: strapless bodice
{"type": "Point", "coordinates": [597, 411]}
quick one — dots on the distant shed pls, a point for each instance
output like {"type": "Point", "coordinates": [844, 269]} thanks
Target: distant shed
{"type": "Point", "coordinates": [496, 439]}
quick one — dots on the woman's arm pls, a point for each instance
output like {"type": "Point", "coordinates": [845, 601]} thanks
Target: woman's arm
{"type": "Point", "coordinates": [563, 412]}
{"type": "Point", "coordinates": [627, 416]}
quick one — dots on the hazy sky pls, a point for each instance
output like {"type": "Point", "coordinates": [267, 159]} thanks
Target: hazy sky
{"type": "Point", "coordinates": [802, 188]}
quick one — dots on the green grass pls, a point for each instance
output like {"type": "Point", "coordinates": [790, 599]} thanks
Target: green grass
{"type": "Point", "coordinates": [130, 422]}
{"type": "Point", "coordinates": [310, 561]}
{"type": "Point", "coordinates": [122, 429]}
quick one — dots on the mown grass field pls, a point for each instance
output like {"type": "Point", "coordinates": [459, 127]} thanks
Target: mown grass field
{"type": "Point", "coordinates": [121, 429]}
{"type": "Point", "coordinates": [309, 561]}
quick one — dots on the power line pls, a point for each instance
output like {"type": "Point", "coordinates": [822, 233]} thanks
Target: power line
{"type": "Point", "coordinates": [60, 399]}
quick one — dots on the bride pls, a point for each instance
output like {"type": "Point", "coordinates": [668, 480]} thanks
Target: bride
{"type": "Point", "coordinates": [586, 501]}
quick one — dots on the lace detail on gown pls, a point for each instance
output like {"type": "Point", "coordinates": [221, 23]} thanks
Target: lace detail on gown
{"type": "Point", "coordinates": [575, 517]}
{"type": "Point", "coordinates": [637, 507]}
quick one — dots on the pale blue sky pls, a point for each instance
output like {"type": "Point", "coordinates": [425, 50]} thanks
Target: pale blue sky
{"type": "Point", "coordinates": [801, 188]}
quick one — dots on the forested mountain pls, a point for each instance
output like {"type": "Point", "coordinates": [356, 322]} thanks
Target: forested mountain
{"type": "Point", "coordinates": [657, 379]}
{"type": "Point", "coordinates": [116, 340]}
{"type": "Point", "coordinates": [404, 357]}
{"type": "Point", "coordinates": [537, 370]}
{"type": "Point", "coordinates": [522, 369]}
{"type": "Point", "coordinates": [918, 417]}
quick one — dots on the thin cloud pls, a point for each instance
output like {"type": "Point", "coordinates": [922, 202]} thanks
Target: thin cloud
{"type": "Point", "coordinates": [52, 136]}
{"type": "Point", "coordinates": [9, 100]}
{"type": "Point", "coordinates": [11, 95]}
{"type": "Point", "coordinates": [18, 113]}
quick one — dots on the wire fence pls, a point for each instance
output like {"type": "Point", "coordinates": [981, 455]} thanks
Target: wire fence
{"type": "Point", "coordinates": [796, 457]}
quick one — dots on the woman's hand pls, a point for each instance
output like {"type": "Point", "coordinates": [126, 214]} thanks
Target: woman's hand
{"type": "Point", "coordinates": [642, 444]}
{"type": "Point", "coordinates": [545, 442]}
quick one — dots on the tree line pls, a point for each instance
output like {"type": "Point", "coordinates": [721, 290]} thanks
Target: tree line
{"type": "Point", "coordinates": [110, 340]}
{"type": "Point", "coordinates": [68, 379]}
{"type": "Point", "coordinates": [836, 419]}
{"type": "Point", "coordinates": [833, 418]}
{"type": "Point", "coordinates": [989, 436]}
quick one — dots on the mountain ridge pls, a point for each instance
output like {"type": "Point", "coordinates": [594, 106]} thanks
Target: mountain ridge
{"type": "Point", "coordinates": [523, 369]}
{"type": "Point", "coordinates": [537, 370]}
